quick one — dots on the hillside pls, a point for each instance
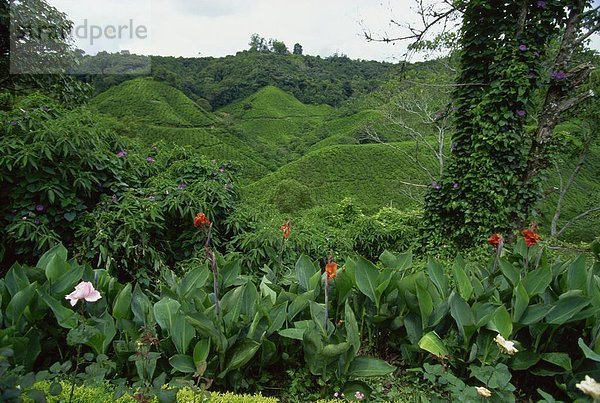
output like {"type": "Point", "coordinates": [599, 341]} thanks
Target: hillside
{"type": "Point", "coordinates": [275, 122]}
{"type": "Point", "coordinates": [152, 102]}
{"type": "Point", "coordinates": [156, 111]}
{"type": "Point", "coordinates": [370, 174]}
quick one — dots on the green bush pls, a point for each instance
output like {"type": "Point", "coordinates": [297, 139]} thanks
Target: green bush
{"type": "Point", "coordinates": [291, 196]}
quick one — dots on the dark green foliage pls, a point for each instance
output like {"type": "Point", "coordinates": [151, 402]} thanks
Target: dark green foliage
{"type": "Point", "coordinates": [291, 196]}
{"type": "Point", "coordinates": [491, 182]}
{"type": "Point", "coordinates": [221, 81]}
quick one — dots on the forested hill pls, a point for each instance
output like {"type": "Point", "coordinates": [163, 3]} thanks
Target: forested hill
{"type": "Point", "coordinates": [215, 82]}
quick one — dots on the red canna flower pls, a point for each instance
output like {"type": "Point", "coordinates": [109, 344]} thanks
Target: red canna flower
{"type": "Point", "coordinates": [496, 240]}
{"type": "Point", "coordinates": [286, 229]}
{"type": "Point", "coordinates": [331, 269]}
{"type": "Point", "coordinates": [531, 238]}
{"type": "Point", "coordinates": [201, 220]}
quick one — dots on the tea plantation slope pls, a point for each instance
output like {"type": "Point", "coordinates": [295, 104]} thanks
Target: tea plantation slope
{"type": "Point", "coordinates": [152, 102]}
{"type": "Point", "coordinates": [275, 122]}
{"type": "Point", "coordinates": [156, 112]}
{"type": "Point", "coordinates": [370, 174]}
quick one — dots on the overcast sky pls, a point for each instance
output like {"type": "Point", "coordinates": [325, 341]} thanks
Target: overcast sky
{"type": "Point", "coordinates": [221, 27]}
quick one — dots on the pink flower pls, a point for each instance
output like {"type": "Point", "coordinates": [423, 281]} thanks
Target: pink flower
{"type": "Point", "coordinates": [84, 290]}
{"type": "Point", "coordinates": [359, 395]}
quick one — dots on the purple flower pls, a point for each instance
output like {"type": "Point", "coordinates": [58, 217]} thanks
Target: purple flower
{"type": "Point", "coordinates": [45, 108]}
{"type": "Point", "coordinates": [536, 53]}
{"type": "Point", "coordinates": [359, 395]}
{"type": "Point", "coordinates": [522, 47]}
{"type": "Point", "coordinates": [435, 185]}
{"type": "Point", "coordinates": [541, 4]}
{"type": "Point", "coordinates": [531, 74]}
{"type": "Point", "coordinates": [521, 113]}
{"type": "Point", "coordinates": [13, 122]}
{"type": "Point", "coordinates": [39, 208]}
{"type": "Point", "coordinates": [150, 159]}
{"type": "Point", "coordinates": [122, 154]}
{"type": "Point", "coordinates": [37, 221]}
{"type": "Point", "coordinates": [455, 186]}
{"type": "Point", "coordinates": [561, 75]}
{"type": "Point", "coordinates": [452, 147]}
{"type": "Point", "coordinates": [182, 186]}
{"type": "Point", "coordinates": [221, 170]}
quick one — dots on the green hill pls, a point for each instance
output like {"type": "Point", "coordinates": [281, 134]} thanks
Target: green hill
{"type": "Point", "coordinates": [154, 111]}
{"type": "Point", "coordinates": [275, 122]}
{"type": "Point", "coordinates": [152, 102]}
{"type": "Point", "coordinates": [370, 174]}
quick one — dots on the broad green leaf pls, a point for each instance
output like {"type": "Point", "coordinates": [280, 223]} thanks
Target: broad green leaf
{"type": "Point", "coordinates": [561, 359]}
{"type": "Point", "coordinates": [141, 307]}
{"type": "Point", "coordinates": [520, 301]}
{"type": "Point", "coordinates": [230, 273]}
{"type": "Point", "coordinates": [165, 313]}
{"type": "Point", "coordinates": [122, 303]}
{"type": "Point", "coordinates": [64, 316]}
{"type": "Point", "coordinates": [317, 313]}
{"type": "Point", "coordinates": [399, 262]}
{"type": "Point", "coordinates": [462, 314]}
{"type": "Point", "coordinates": [367, 367]}
{"type": "Point", "coordinates": [335, 350]}
{"type": "Point", "coordinates": [106, 332]}
{"type": "Point", "coordinates": [299, 304]}
{"type": "Point", "coordinates": [16, 279]}
{"type": "Point", "coordinates": [59, 251]}
{"type": "Point", "coordinates": [267, 291]}
{"type": "Point", "coordinates": [194, 280]}
{"type": "Point", "coordinates": [292, 333]}
{"type": "Point", "coordinates": [436, 274]}
{"type": "Point", "coordinates": [537, 281]}
{"type": "Point", "coordinates": [183, 363]}
{"type": "Point", "coordinates": [500, 322]}
{"type": "Point", "coordinates": [182, 334]}
{"type": "Point", "coordinates": [564, 309]}
{"type": "Point", "coordinates": [241, 354]}
{"type": "Point", "coordinates": [465, 288]}
{"type": "Point", "coordinates": [56, 268]}
{"type": "Point", "coordinates": [206, 327]}
{"type": "Point", "coordinates": [305, 269]}
{"type": "Point", "coordinates": [342, 285]}
{"type": "Point", "coordinates": [534, 314]}
{"type": "Point", "coordinates": [201, 351]}
{"type": "Point", "coordinates": [524, 360]}
{"type": "Point", "coordinates": [66, 283]}
{"type": "Point", "coordinates": [588, 352]}
{"type": "Point", "coordinates": [432, 343]}
{"type": "Point", "coordinates": [425, 304]}
{"type": "Point", "coordinates": [277, 316]}
{"type": "Point", "coordinates": [577, 274]}
{"type": "Point", "coordinates": [509, 271]}
{"type": "Point", "coordinates": [351, 325]}
{"type": "Point", "coordinates": [17, 305]}
{"type": "Point", "coordinates": [367, 277]}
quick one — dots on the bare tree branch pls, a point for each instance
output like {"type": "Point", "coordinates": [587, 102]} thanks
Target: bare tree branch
{"type": "Point", "coordinates": [579, 217]}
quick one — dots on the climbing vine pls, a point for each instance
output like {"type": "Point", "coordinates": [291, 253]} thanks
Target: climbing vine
{"type": "Point", "coordinates": [491, 180]}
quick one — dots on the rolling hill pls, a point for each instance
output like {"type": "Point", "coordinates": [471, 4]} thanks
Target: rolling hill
{"type": "Point", "coordinates": [156, 111]}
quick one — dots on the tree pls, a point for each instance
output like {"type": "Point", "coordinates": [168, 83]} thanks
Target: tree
{"type": "Point", "coordinates": [36, 51]}
{"type": "Point", "coordinates": [258, 43]}
{"type": "Point", "coordinates": [491, 181]}
{"type": "Point", "coordinates": [278, 47]}
{"type": "Point", "coordinates": [298, 49]}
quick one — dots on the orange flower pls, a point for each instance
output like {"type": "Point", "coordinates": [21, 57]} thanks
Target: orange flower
{"type": "Point", "coordinates": [496, 240]}
{"type": "Point", "coordinates": [531, 238]}
{"type": "Point", "coordinates": [331, 269]}
{"type": "Point", "coordinates": [286, 228]}
{"type": "Point", "coordinates": [201, 220]}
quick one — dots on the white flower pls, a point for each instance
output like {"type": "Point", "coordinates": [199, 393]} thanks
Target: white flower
{"type": "Point", "coordinates": [483, 392]}
{"type": "Point", "coordinates": [84, 290]}
{"type": "Point", "coordinates": [359, 395]}
{"type": "Point", "coordinates": [506, 346]}
{"type": "Point", "coordinates": [590, 387]}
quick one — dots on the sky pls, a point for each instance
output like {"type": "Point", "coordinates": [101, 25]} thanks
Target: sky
{"type": "Point", "coordinates": [192, 28]}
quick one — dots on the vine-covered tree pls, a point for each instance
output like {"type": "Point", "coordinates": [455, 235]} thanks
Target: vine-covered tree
{"type": "Point", "coordinates": [491, 181]}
